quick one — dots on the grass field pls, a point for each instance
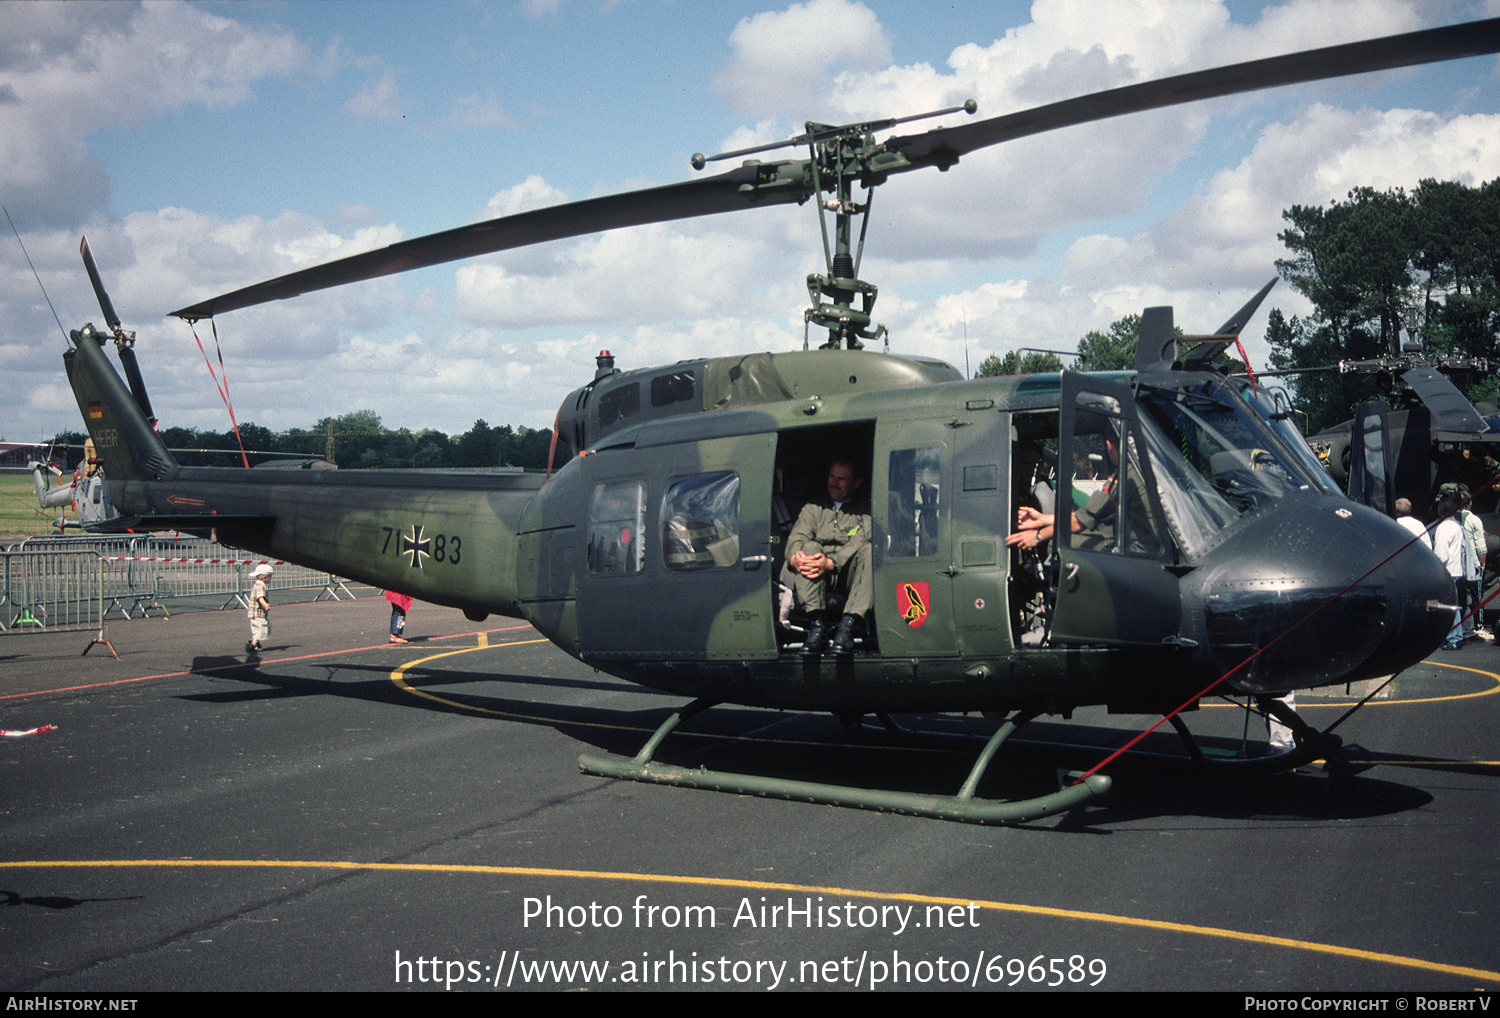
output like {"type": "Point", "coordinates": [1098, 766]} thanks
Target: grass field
{"type": "Point", "coordinates": [20, 516]}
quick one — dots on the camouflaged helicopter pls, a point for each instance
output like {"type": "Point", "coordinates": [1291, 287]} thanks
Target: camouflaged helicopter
{"type": "Point", "coordinates": [1223, 534]}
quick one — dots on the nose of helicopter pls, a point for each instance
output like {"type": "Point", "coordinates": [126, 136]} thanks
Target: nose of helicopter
{"type": "Point", "coordinates": [1307, 563]}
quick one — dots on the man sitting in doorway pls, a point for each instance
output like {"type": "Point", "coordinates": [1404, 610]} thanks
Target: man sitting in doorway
{"type": "Point", "coordinates": [829, 549]}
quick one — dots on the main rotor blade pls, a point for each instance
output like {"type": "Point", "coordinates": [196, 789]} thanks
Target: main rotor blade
{"type": "Point", "coordinates": [780, 183]}
{"type": "Point", "coordinates": [110, 318]}
{"type": "Point", "coordinates": [705, 196]}
{"type": "Point", "coordinates": [943, 145]}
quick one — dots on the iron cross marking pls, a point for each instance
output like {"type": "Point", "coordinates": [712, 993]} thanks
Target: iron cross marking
{"type": "Point", "coordinates": [416, 546]}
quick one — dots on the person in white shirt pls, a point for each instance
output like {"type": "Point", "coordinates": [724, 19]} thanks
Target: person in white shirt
{"type": "Point", "coordinates": [1452, 546]}
{"type": "Point", "coordinates": [1474, 528]}
{"type": "Point", "coordinates": [1407, 520]}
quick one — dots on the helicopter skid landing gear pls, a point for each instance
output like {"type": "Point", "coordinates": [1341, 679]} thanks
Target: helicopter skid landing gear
{"type": "Point", "coordinates": [1311, 745]}
{"type": "Point", "coordinates": [962, 807]}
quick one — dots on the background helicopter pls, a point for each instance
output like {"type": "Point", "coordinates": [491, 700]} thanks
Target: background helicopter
{"type": "Point", "coordinates": [1395, 447]}
{"type": "Point", "coordinates": [1225, 533]}
{"type": "Point", "coordinates": [85, 493]}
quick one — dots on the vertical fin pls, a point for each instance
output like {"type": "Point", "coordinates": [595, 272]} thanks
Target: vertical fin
{"type": "Point", "coordinates": [127, 445]}
{"type": "Point", "coordinates": [1157, 348]}
{"type": "Point", "coordinates": [1241, 318]}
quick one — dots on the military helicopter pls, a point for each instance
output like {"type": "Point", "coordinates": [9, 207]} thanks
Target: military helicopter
{"type": "Point", "coordinates": [654, 554]}
{"type": "Point", "coordinates": [1391, 448]}
{"type": "Point", "coordinates": [86, 493]}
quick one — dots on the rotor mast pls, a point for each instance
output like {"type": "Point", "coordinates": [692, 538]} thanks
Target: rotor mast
{"type": "Point", "coordinates": [838, 157]}
{"type": "Point", "coordinates": [835, 163]}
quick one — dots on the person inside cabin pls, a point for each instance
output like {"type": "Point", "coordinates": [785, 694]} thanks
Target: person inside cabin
{"type": "Point", "coordinates": [829, 551]}
{"type": "Point", "coordinates": [1096, 517]}
{"type": "Point", "coordinates": [1031, 594]}
{"type": "Point", "coordinates": [1098, 523]}
{"type": "Point", "coordinates": [1032, 482]}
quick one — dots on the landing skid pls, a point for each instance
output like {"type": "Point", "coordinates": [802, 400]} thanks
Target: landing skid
{"type": "Point", "coordinates": [961, 807]}
{"type": "Point", "coordinates": [1310, 745]}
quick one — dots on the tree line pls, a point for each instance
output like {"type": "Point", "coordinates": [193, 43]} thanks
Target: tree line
{"type": "Point", "coordinates": [359, 441]}
{"type": "Point", "coordinates": [1363, 263]}
{"type": "Point", "coordinates": [1370, 265]}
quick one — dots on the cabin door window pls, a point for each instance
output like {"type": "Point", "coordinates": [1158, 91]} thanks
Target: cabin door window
{"type": "Point", "coordinates": [615, 518]}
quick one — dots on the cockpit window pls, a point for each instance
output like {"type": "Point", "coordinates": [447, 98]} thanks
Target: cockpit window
{"type": "Point", "coordinates": [1215, 461]}
{"type": "Point", "coordinates": [615, 519]}
{"type": "Point", "coordinates": [618, 404]}
{"type": "Point", "coordinates": [916, 485]}
{"type": "Point", "coordinates": [673, 387]}
{"type": "Point", "coordinates": [1278, 419]}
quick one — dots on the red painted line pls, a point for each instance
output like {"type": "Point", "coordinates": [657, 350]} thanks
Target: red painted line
{"type": "Point", "coordinates": [246, 664]}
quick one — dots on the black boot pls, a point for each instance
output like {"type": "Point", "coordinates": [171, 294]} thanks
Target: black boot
{"type": "Point", "coordinates": [843, 636]}
{"type": "Point", "coordinates": [817, 635]}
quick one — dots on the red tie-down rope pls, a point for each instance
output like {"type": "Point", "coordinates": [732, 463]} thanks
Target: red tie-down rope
{"type": "Point", "coordinates": [222, 386]}
{"type": "Point", "coordinates": [1246, 358]}
{"type": "Point", "coordinates": [552, 446]}
{"type": "Point", "coordinates": [12, 733]}
{"type": "Point", "coordinates": [1289, 630]}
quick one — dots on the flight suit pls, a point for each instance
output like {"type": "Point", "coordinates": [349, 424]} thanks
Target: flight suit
{"type": "Point", "coordinates": [844, 536]}
{"type": "Point", "coordinates": [1099, 519]}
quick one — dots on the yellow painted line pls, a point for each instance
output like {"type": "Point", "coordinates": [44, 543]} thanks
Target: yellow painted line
{"type": "Point", "coordinates": [1427, 763]}
{"type": "Point", "coordinates": [398, 676]}
{"type": "Point", "coordinates": [1305, 704]}
{"type": "Point", "coordinates": [763, 885]}
{"type": "Point", "coordinates": [1464, 696]}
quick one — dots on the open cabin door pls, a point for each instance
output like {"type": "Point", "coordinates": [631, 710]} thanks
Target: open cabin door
{"type": "Point", "coordinates": [1113, 584]}
{"type": "Point", "coordinates": [942, 499]}
{"type": "Point", "coordinates": [1370, 459]}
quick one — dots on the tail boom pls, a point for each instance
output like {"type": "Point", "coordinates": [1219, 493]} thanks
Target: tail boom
{"type": "Point", "coordinates": [448, 540]}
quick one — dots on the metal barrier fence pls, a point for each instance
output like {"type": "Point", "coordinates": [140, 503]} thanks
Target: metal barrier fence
{"type": "Point", "coordinates": [52, 591]}
{"type": "Point", "coordinates": [144, 574]}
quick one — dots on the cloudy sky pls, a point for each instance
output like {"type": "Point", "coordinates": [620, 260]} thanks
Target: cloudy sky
{"type": "Point", "coordinates": [202, 147]}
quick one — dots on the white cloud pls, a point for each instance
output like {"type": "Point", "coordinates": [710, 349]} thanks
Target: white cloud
{"type": "Point", "coordinates": [540, 8]}
{"type": "Point", "coordinates": [531, 193]}
{"type": "Point", "coordinates": [357, 214]}
{"type": "Point", "coordinates": [1226, 235]}
{"type": "Point", "coordinates": [377, 101]}
{"type": "Point", "coordinates": [784, 58]}
{"type": "Point", "coordinates": [1002, 201]}
{"type": "Point", "coordinates": [643, 274]}
{"type": "Point", "coordinates": [309, 248]}
{"type": "Point", "coordinates": [74, 68]}
{"type": "Point", "coordinates": [504, 336]}
{"type": "Point", "coordinates": [1207, 258]}
{"type": "Point", "coordinates": [475, 110]}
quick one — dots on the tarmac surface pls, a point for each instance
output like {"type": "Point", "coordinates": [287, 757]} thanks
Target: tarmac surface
{"type": "Point", "coordinates": [348, 814]}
